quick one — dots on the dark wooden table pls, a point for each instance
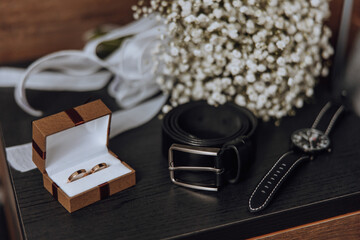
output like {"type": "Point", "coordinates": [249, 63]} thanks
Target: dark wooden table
{"type": "Point", "coordinates": [156, 209]}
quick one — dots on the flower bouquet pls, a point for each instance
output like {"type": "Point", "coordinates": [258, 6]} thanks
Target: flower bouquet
{"type": "Point", "coordinates": [265, 55]}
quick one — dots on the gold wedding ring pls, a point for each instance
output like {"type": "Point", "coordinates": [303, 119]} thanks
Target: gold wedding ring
{"type": "Point", "coordinates": [98, 167]}
{"type": "Point", "coordinates": [82, 172]}
{"type": "Point", "coordinates": [77, 175]}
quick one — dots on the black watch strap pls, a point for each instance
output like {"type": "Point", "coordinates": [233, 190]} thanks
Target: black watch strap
{"type": "Point", "coordinates": [326, 118]}
{"type": "Point", "coordinates": [272, 181]}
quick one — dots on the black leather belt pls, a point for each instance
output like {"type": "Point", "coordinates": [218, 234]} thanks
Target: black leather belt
{"type": "Point", "coordinates": [201, 141]}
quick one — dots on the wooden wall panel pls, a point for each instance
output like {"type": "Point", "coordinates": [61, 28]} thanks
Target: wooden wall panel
{"type": "Point", "coordinates": [32, 28]}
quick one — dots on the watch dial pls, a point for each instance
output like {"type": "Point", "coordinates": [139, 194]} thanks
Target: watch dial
{"type": "Point", "coordinates": [310, 140]}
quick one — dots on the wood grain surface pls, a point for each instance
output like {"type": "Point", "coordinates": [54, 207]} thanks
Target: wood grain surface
{"type": "Point", "coordinates": [157, 209]}
{"type": "Point", "coordinates": [341, 227]}
{"type": "Point", "coordinates": [30, 28]}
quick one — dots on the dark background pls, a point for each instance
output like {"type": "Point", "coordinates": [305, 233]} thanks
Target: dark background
{"type": "Point", "coordinates": [320, 189]}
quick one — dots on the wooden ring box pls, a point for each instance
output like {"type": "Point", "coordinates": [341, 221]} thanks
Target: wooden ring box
{"type": "Point", "coordinates": [78, 139]}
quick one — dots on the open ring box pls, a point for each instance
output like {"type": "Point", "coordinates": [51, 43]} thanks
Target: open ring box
{"type": "Point", "coordinates": [78, 139]}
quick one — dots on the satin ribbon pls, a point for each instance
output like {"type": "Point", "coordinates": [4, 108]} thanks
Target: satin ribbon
{"type": "Point", "coordinates": [132, 64]}
{"type": "Point", "coordinates": [133, 84]}
{"type": "Point", "coordinates": [10, 77]}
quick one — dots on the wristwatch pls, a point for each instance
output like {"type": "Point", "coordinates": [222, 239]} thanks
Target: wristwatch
{"type": "Point", "coordinates": [206, 146]}
{"type": "Point", "coordinates": [307, 143]}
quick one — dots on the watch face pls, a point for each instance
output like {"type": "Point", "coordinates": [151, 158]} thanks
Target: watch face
{"type": "Point", "coordinates": [310, 140]}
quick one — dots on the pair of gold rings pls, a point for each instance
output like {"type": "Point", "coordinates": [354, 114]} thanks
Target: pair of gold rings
{"type": "Point", "coordinates": [82, 172]}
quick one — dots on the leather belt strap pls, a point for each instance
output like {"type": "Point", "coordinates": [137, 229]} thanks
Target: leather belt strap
{"type": "Point", "coordinates": [198, 138]}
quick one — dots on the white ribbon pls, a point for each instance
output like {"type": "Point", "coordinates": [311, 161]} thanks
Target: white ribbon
{"type": "Point", "coordinates": [134, 83]}
{"type": "Point", "coordinates": [10, 77]}
{"type": "Point", "coordinates": [131, 63]}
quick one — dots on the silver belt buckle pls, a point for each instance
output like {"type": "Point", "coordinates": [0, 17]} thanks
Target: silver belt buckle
{"type": "Point", "coordinates": [194, 150]}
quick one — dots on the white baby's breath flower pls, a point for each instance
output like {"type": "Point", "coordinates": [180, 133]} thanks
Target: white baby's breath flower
{"type": "Point", "coordinates": [250, 77]}
{"type": "Point", "coordinates": [239, 80]}
{"type": "Point", "coordinates": [240, 100]}
{"type": "Point", "coordinates": [174, 51]}
{"type": "Point", "coordinates": [236, 53]}
{"type": "Point", "coordinates": [166, 108]}
{"type": "Point", "coordinates": [265, 57]}
{"type": "Point", "coordinates": [213, 26]}
{"type": "Point", "coordinates": [190, 19]}
{"type": "Point", "coordinates": [261, 68]}
{"type": "Point", "coordinates": [281, 44]}
{"type": "Point", "coordinates": [218, 13]}
{"type": "Point", "coordinates": [208, 47]}
{"type": "Point", "coordinates": [281, 71]}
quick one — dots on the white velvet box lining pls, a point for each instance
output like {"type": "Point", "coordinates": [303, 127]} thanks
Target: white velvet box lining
{"type": "Point", "coordinates": [81, 147]}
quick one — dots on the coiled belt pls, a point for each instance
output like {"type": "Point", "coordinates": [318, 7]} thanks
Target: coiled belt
{"type": "Point", "coordinates": [201, 141]}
